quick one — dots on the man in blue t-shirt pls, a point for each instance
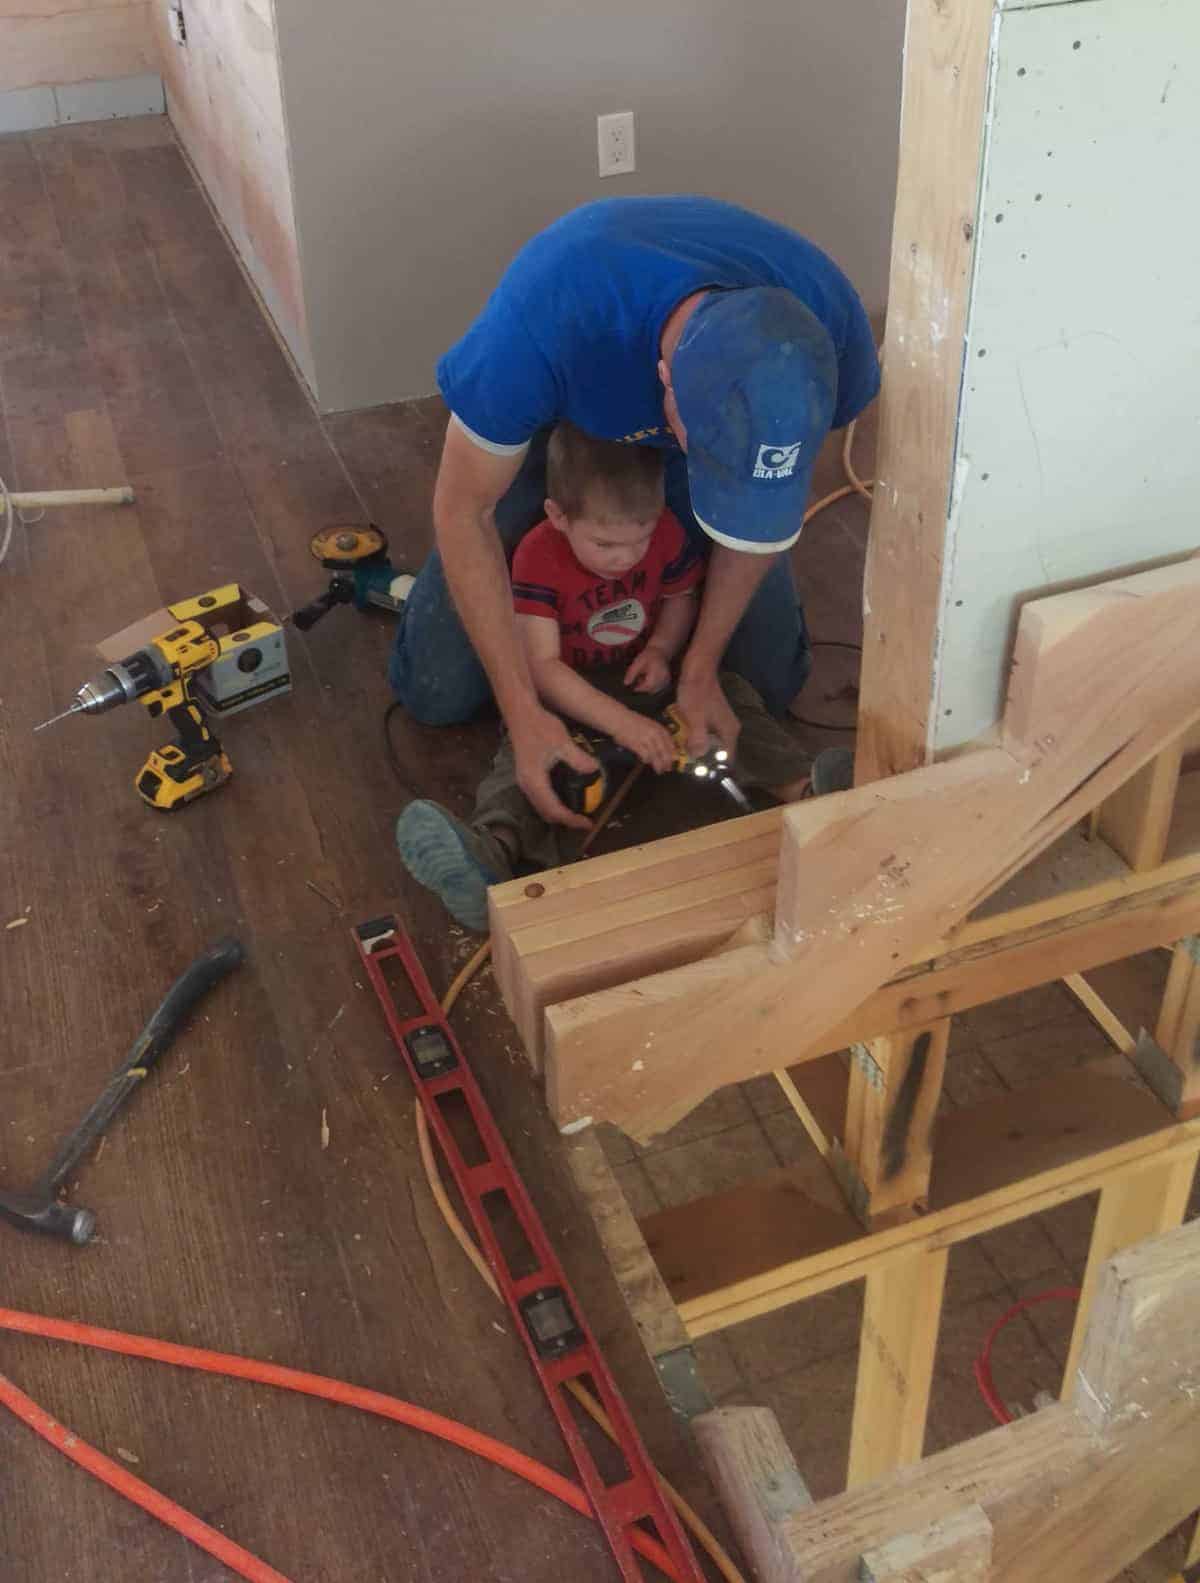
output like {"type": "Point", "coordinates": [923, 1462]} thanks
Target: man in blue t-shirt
{"type": "Point", "coordinates": [680, 322]}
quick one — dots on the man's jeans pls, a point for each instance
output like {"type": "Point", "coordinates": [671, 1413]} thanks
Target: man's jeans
{"type": "Point", "coordinates": [434, 671]}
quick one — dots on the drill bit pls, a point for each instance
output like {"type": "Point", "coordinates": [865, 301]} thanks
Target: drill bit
{"type": "Point", "coordinates": [75, 709]}
{"type": "Point", "coordinates": [729, 785]}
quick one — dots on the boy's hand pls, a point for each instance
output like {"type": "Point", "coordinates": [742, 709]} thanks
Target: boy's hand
{"type": "Point", "coordinates": [650, 672]}
{"type": "Point", "coordinates": [649, 739]}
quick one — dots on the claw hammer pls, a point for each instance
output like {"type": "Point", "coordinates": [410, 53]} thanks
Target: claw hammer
{"type": "Point", "coordinates": [40, 1209]}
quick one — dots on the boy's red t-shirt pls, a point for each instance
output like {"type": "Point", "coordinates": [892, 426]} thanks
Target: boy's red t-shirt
{"type": "Point", "coordinates": [602, 620]}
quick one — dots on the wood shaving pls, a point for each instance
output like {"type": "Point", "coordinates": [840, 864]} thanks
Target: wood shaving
{"type": "Point", "coordinates": [324, 1128]}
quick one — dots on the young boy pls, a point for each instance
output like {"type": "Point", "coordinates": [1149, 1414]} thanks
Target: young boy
{"type": "Point", "coordinates": [605, 596]}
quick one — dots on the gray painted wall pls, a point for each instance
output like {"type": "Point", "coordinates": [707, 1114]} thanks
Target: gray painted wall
{"type": "Point", "coordinates": [430, 138]}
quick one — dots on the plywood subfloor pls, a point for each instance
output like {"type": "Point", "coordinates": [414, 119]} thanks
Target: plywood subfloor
{"type": "Point", "coordinates": [131, 348]}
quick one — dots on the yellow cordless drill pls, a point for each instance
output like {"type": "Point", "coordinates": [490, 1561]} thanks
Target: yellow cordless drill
{"type": "Point", "coordinates": [585, 791]}
{"type": "Point", "coordinates": [227, 640]}
{"type": "Point", "coordinates": [158, 676]}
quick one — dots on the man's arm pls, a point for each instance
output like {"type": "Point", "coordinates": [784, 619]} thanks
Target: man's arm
{"type": "Point", "coordinates": [732, 581]}
{"type": "Point", "coordinates": [567, 690]}
{"type": "Point", "coordinates": [470, 481]}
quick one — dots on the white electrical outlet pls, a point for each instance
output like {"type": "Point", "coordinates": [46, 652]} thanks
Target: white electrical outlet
{"type": "Point", "coordinates": [614, 138]}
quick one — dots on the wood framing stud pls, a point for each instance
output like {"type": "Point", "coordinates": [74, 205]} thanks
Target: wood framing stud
{"type": "Point", "coordinates": [1074, 1493]}
{"type": "Point", "coordinates": [1131, 1209]}
{"type": "Point", "coordinates": [1136, 820]}
{"type": "Point", "coordinates": [933, 244]}
{"type": "Point", "coordinates": [901, 1314]}
{"type": "Point", "coordinates": [1174, 1056]}
{"type": "Point", "coordinates": [757, 1481]}
{"type": "Point", "coordinates": [895, 1085]}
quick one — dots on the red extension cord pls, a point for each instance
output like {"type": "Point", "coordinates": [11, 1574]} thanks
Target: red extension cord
{"type": "Point", "coordinates": [190, 1526]}
{"type": "Point", "coordinates": [983, 1363]}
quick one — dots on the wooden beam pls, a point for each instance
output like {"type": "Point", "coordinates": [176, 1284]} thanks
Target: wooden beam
{"type": "Point", "coordinates": [1140, 1205]}
{"type": "Point", "coordinates": [582, 928]}
{"type": "Point", "coordinates": [757, 1480]}
{"type": "Point", "coordinates": [901, 1315]}
{"type": "Point", "coordinates": [941, 138]}
{"type": "Point", "coordinates": [637, 1275]}
{"type": "Point", "coordinates": [629, 1017]}
{"type": "Point", "coordinates": [819, 1092]}
{"type": "Point", "coordinates": [758, 1247]}
{"type": "Point", "coordinates": [1136, 819]}
{"type": "Point", "coordinates": [1076, 1492]}
{"type": "Point", "coordinates": [537, 964]}
{"type": "Point", "coordinates": [1177, 1032]}
{"type": "Point", "coordinates": [895, 1085]}
{"type": "Point", "coordinates": [1102, 678]}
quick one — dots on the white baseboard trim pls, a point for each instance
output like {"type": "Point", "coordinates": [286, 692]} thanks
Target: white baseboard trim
{"type": "Point", "coordinates": [27, 109]}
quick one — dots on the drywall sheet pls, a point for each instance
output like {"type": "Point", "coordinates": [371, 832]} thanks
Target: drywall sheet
{"type": "Point", "coordinates": [1079, 429]}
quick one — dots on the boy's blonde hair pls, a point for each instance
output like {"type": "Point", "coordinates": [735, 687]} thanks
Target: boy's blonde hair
{"type": "Point", "coordinates": [604, 479]}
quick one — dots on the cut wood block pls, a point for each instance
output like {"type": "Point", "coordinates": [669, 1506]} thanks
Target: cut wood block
{"type": "Point", "coordinates": [956, 1550]}
{"type": "Point", "coordinates": [575, 930]}
{"type": "Point", "coordinates": [1103, 678]}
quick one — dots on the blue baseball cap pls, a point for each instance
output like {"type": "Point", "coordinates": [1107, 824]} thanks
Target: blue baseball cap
{"type": "Point", "coordinates": [755, 379]}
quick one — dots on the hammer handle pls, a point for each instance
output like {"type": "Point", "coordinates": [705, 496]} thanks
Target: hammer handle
{"type": "Point", "coordinates": [209, 968]}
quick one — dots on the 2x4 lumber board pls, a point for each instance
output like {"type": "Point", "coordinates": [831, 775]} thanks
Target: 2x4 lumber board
{"type": "Point", "coordinates": [941, 142]}
{"type": "Point", "coordinates": [1141, 1205]}
{"type": "Point", "coordinates": [758, 1247]}
{"type": "Point", "coordinates": [1074, 1493]}
{"type": "Point", "coordinates": [756, 1479]}
{"type": "Point", "coordinates": [635, 1272]}
{"type": "Point", "coordinates": [895, 1085]}
{"type": "Point", "coordinates": [1006, 965]}
{"type": "Point", "coordinates": [584, 927]}
{"type": "Point", "coordinates": [819, 1091]}
{"type": "Point", "coordinates": [1136, 819]}
{"type": "Point", "coordinates": [1153, 1283]}
{"type": "Point", "coordinates": [1177, 1032]}
{"type": "Point", "coordinates": [1102, 678]}
{"type": "Point", "coordinates": [902, 1312]}
{"type": "Point", "coordinates": [536, 967]}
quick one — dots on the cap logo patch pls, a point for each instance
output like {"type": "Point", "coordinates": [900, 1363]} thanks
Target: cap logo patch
{"type": "Point", "coordinates": [777, 461]}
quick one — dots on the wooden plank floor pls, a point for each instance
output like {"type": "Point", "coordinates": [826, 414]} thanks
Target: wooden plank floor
{"type": "Point", "coordinates": [130, 348]}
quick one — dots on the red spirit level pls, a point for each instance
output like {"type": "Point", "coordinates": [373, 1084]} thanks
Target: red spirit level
{"type": "Point", "coordinates": [543, 1306]}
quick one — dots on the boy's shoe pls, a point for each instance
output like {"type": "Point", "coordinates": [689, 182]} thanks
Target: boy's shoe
{"type": "Point", "coordinates": [456, 863]}
{"type": "Point", "coordinates": [832, 771]}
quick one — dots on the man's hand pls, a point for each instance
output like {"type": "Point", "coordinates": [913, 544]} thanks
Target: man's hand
{"type": "Point", "coordinates": [649, 739]}
{"type": "Point", "coordinates": [705, 708]}
{"type": "Point", "coordinates": [650, 672]}
{"type": "Point", "coordinates": [540, 741]}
